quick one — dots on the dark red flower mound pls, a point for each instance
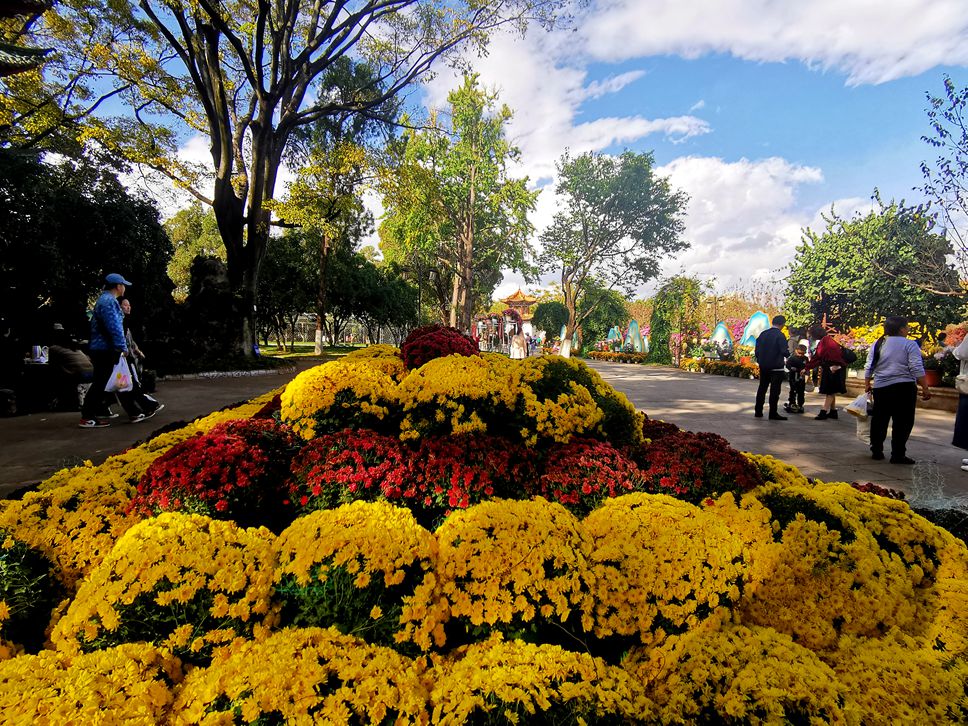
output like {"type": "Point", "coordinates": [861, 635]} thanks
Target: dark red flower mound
{"type": "Point", "coordinates": [694, 466]}
{"type": "Point", "coordinates": [435, 341]}
{"type": "Point", "coordinates": [237, 471]}
{"type": "Point", "coordinates": [455, 472]}
{"type": "Point", "coordinates": [343, 467]}
{"type": "Point", "coordinates": [583, 472]}
{"type": "Point", "coordinates": [653, 429]}
{"type": "Point", "coordinates": [869, 487]}
{"type": "Point", "coordinates": [270, 409]}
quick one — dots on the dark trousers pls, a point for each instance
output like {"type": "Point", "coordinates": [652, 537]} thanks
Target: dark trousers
{"type": "Point", "coordinates": [798, 389]}
{"type": "Point", "coordinates": [104, 362]}
{"type": "Point", "coordinates": [772, 380]}
{"type": "Point", "coordinates": [894, 403]}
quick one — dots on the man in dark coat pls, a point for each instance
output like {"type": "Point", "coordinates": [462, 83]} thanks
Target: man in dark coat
{"type": "Point", "coordinates": [771, 354]}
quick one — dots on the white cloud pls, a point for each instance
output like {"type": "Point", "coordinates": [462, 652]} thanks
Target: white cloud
{"type": "Point", "coordinates": [597, 89]}
{"type": "Point", "coordinates": [743, 220]}
{"type": "Point", "coordinates": [870, 41]}
{"type": "Point", "coordinates": [698, 105]}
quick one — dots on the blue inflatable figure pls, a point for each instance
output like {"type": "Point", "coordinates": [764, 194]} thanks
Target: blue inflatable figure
{"type": "Point", "coordinates": [758, 322]}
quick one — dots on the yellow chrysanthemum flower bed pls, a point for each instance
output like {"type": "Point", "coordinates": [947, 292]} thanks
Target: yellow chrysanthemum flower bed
{"type": "Point", "coordinates": [377, 552]}
{"type": "Point", "coordinates": [130, 684]}
{"type": "Point", "coordinates": [660, 566]}
{"type": "Point", "coordinates": [337, 395]}
{"type": "Point", "coordinates": [795, 601]}
{"type": "Point", "coordinates": [190, 583]}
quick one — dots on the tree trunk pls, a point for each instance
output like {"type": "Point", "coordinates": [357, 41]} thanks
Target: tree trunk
{"type": "Point", "coordinates": [321, 292]}
{"type": "Point", "coordinates": [455, 301]}
{"type": "Point", "coordinates": [571, 305]}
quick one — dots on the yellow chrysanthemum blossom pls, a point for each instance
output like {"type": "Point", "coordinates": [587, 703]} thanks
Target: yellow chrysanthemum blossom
{"type": "Point", "coordinates": [661, 566]}
{"type": "Point", "coordinates": [512, 563]}
{"type": "Point", "coordinates": [336, 395]}
{"type": "Point", "coordinates": [305, 676]}
{"type": "Point", "coordinates": [456, 394]}
{"type": "Point", "coordinates": [194, 582]}
{"type": "Point", "coordinates": [739, 675]}
{"type": "Point", "coordinates": [893, 680]}
{"type": "Point", "coordinates": [775, 470]}
{"type": "Point", "coordinates": [513, 681]}
{"type": "Point", "coordinates": [829, 576]}
{"type": "Point", "coordinates": [130, 684]}
{"type": "Point", "coordinates": [369, 566]}
{"type": "Point", "coordinates": [385, 358]}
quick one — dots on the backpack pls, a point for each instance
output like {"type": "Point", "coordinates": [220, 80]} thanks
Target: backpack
{"type": "Point", "coordinates": [848, 355]}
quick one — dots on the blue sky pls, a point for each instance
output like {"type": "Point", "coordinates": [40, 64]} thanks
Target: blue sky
{"type": "Point", "coordinates": [765, 112]}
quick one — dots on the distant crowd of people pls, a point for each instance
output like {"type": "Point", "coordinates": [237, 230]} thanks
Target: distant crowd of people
{"type": "Point", "coordinates": [893, 375]}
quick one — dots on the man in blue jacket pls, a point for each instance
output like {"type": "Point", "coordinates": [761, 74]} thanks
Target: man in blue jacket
{"type": "Point", "coordinates": [107, 345]}
{"type": "Point", "coordinates": [771, 353]}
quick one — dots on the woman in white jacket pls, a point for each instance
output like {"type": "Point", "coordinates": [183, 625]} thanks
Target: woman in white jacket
{"type": "Point", "coordinates": [961, 418]}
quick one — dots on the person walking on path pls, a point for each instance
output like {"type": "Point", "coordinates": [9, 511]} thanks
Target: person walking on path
{"type": "Point", "coordinates": [106, 347]}
{"type": "Point", "coordinates": [798, 383]}
{"type": "Point", "coordinates": [148, 404]}
{"type": "Point", "coordinates": [829, 358]}
{"type": "Point", "coordinates": [894, 371]}
{"type": "Point", "coordinates": [961, 418]}
{"type": "Point", "coordinates": [771, 354]}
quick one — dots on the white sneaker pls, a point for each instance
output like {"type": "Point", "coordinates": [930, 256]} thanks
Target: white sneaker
{"type": "Point", "coordinates": [964, 462]}
{"type": "Point", "coordinates": [964, 467]}
{"type": "Point", "coordinates": [138, 419]}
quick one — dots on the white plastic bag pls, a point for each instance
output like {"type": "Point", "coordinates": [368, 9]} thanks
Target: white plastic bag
{"type": "Point", "coordinates": [858, 407]}
{"type": "Point", "coordinates": [120, 380]}
{"type": "Point", "coordinates": [864, 429]}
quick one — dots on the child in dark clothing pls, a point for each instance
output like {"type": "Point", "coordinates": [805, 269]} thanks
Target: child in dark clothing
{"type": "Point", "coordinates": [798, 382]}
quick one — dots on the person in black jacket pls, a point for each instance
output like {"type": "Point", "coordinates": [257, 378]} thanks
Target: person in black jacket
{"type": "Point", "coordinates": [771, 355]}
{"type": "Point", "coordinates": [798, 383]}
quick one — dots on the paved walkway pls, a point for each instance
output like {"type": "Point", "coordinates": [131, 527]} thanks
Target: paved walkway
{"type": "Point", "coordinates": [826, 450]}
{"type": "Point", "coordinates": [35, 446]}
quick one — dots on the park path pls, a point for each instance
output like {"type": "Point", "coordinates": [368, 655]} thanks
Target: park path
{"type": "Point", "coordinates": [35, 446]}
{"type": "Point", "coordinates": [826, 450]}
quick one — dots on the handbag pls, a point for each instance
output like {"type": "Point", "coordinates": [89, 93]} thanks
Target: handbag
{"type": "Point", "coordinates": [961, 383]}
{"type": "Point", "coordinates": [120, 380]}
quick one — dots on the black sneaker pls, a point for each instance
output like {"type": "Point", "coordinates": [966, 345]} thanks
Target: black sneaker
{"type": "Point", "coordinates": [778, 417]}
{"type": "Point", "coordinates": [822, 416]}
{"type": "Point", "coordinates": [906, 460]}
{"type": "Point", "coordinates": [758, 414]}
{"type": "Point", "coordinates": [155, 410]}
{"type": "Point", "coordinates": [877, 455]}
{"type": "Point", "coordinates": [833, 414]}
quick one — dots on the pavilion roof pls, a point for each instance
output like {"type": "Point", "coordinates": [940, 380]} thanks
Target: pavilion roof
{"type": "Point", "coordinates": [519, 297]}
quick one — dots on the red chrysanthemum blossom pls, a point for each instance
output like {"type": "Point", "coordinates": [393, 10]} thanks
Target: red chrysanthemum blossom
{"type": "Point", "coordinates": [435, 341]}
{"type": "Point", "coordinates": [695, 466]}
{"type": "Point", "coordinates": [653, 429]}
{"type": "Point", "coordinates": [455, 472]}
{"type": "Point", "coordinates": [345, 466]}
{"type": "Point", "coordinates": [583, 472]}
{"type": "Point", "coordinates": [238, 470]}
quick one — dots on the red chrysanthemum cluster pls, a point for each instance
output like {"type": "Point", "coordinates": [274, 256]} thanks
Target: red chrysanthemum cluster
{"type": "Point", "coordinates": [653, 429]}
{"type": "Point", "coordinates": [694, 466]}
{"type": "Point", "coordinates": [583, 472]}
{"type": "Point", "coordinates": [346, 466]}
{"type": "Point", "coordinates": [435, 341]}
{"type": "Point", "coordinates": [456, 472]}
{"type": "Point", "coordinates": [871, 488]}
{"type": "Point", "coordinates": [237, 471]}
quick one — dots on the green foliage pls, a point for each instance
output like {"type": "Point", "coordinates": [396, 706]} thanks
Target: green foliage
{"type": "Point", "coordinates": [332, 598]}
{"type": "Point", "coordinates": [946, 178]}
{"type": "Point", "coordinates": [620, 221]}
{"type": "Point", "coordinates": [455, 218]}
{"type": "Point", "coordinates": [193, 232]}
{"type": "Point", "coordinates": [887, 262]}
{"type": "Point", "coordinates": [288, 284]}
{"type": "Point", "coordinates": [549, 316]}
{"type": "Point", "coordinates": [675, 311]}
{"type": "Point", "coordinates": [62, 227]}
{"type": "Point", "coordinates": [28, 591]}
{"type": "Point", "coordinates": [600, 311]}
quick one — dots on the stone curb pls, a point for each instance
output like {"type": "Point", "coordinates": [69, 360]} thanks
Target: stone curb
{"type": "Point", "coordinates": [285, 370]}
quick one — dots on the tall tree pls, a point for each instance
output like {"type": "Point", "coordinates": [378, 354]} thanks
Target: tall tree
{"type": "Point", "coordinates": [676, 314]}
{"type": "Point", "coordinates": [286, 286]}
{"type": "Point", "coordinates": [606, 309]}
{"type": "Point", "coordinates": [336, 157]}
{"type": "Point", "coordinates": [946, 178]}
{"type": "Point", "coordinates": [244, 74]}
{"type": "Point", "coordinates": [859, 270]}
{"type": "Point", "coordinates": [619, 221]}
{"type": "Point", "coordinates": [452, 206]}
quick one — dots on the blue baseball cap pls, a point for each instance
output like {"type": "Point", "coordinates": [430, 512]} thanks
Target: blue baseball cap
{"type": "Point", "coordinates": [115, 279]}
